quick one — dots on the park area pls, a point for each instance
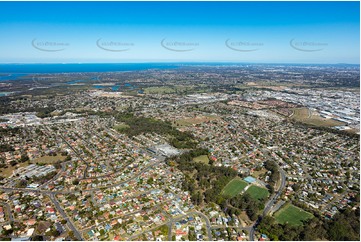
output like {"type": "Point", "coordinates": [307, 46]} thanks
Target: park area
{"type": "Point", "coordinates": [121, 127]}
{"type": "Point", "coordinates": [49, 159]}
{"type": "Point", "coordinates": [43, 160]}
{"type": "Point", "coordinates": [195, 120]}
{"type": "Point", "coordinates": [234, 187]}
{"type": "Point", "coordinates": [159, 90]}
{"type": "Point", "coordinates": [257, 192]}
{"type": "Point", "coordinates": [292, 215]}
{"type": "Point", "coordinates": [202, 159]}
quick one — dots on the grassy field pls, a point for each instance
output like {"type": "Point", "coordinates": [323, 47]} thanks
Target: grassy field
{"type": "Point", "coordinates": [307, 116]}
{"type": "Point", "coordinates": [292, 215]}
{"type": "Point", "coordinates": [180, 89]}
{"type": "Point", "coordinates": [234, 187]}
{"type": "Point", "coordinates": [273, 85]}
{"type": "Point", "coordinates": [120, 127]}
{"type": "Point", "coordinates": [7, 172]}
{"type": "Point", "coordinates": [202, 158]}
{"type": "Point", "coordinates": [196, 120]}
{"type": "Point", "coordinates": [300, 113]}
{"type": "Point", "coordinates": [47, 159]}
{"type": "Point", "coordinates": [158, 90]}
{"type": "Point", "coordinates": [257, 192]}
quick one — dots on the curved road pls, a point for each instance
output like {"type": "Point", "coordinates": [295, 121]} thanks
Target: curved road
{"type": "Point", "coordinates": [269, 204]}
{"type": "Point", "coordinates": [207, 222]}
{"type": "Point", "coordinates": [8, 211]}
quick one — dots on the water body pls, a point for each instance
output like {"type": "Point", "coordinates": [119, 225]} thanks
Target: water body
{"type": "Point", "coordinates": [11, 77]}
{"type": "Point", "coordinates": [75, 81]}
{"type": "Point", "coordinates": [66, 68]}
{"type": "Point", "coordinates": [114, 67]}
{"type": "Point", "coordinates": [3, 94]}
{"type": "Point", "coordinates": [114, 88]}
{"type": "Point", "coordinates": [129, 86]}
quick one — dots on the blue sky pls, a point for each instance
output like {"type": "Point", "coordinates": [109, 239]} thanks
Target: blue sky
{"type": "Point", "coordinates": [264, 32]}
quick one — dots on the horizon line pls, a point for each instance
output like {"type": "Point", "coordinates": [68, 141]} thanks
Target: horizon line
{"type": "Point", "coordinates": [175, 62]}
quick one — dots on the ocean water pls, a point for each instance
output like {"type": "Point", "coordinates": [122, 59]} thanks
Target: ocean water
{"type": "Point", "coordinates": [21, 69]}
{"type": "Point", "coordinates": [10, 77]}
{"type": "Point", "coordinates": [86, 67]}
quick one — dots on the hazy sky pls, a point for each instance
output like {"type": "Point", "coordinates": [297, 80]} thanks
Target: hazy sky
{"type": "Point", "coordinates": [274, 32]}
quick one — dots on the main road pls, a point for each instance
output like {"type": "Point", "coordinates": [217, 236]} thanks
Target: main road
{"type": "Point", "coordinates": [269, 204]}
{"type": "Point", "coordinates": [273, 198]}
{"type": "Point", "coordinates": [69, 222]}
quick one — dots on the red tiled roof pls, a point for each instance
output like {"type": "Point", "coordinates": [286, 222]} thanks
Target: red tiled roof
{"type": "Point", "coordinates": [180, 232]}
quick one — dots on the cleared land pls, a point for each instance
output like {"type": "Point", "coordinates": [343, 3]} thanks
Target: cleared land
{"type": "Point", "coordinates": [180, 89]}
{"type": "Point", "coordinates": [47, 159]}
{"type": "Point", "coordinates": [7, 172]}
{"type": "Point", "coordinates": [244, 219]}
{"type": "Point", "coordinates": [272, 85]}
{"type": "Point", "coordinates": [196, 120]}
{"type": "Point", "coordinates": [292, 215]}
{"type": "Point", "coordinates": [307, 116]}
{"type": "Point", "coordinates": [259, 173]}
{"type": "Point", "coordinates": [234, 187]}
{"type": "Point", "coordinates": [257, 192]}
{"type": "Point", "coordinates": [202, 158]}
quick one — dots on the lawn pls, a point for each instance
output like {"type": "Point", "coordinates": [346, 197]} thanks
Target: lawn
{"type": "Point", "coordinates": [48, 159]}
{"type": "Point", "coordinates": [257, 192]}
{"type": "Point", "coordinates": [159, 90]}
{"type": "Point", "coordinates": [196, 120]}
{"type": "Point", "coordinates": [121, 127]}
{"type": "Point", "coordinates": [164, 230]}
{"type": "Point", "coordinates": [202, 159]}
{"type": "Point", "coordinates": [7, 172]}
{"type": "Point", "coordinates": [292, 215]}
{"type": "Point", "coordinates": [234, 187]}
